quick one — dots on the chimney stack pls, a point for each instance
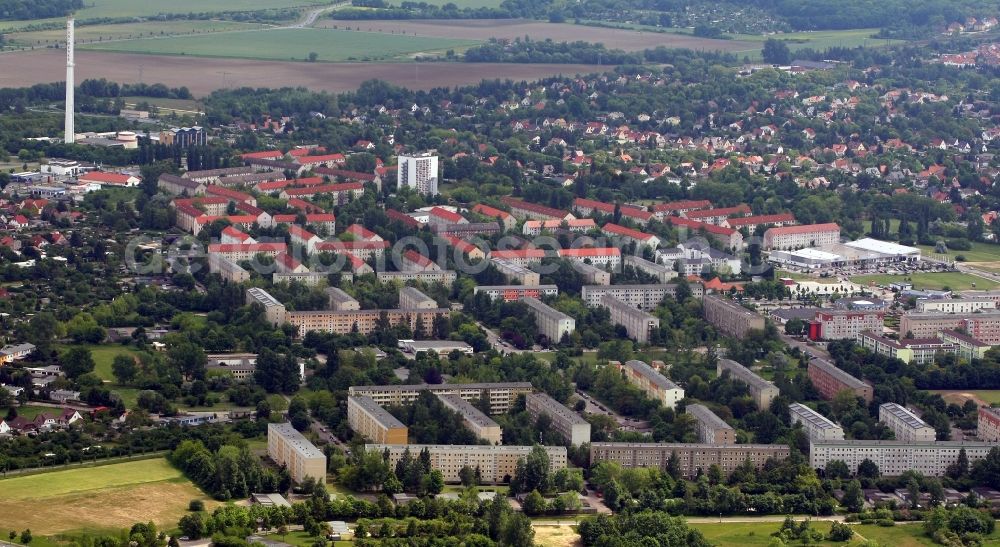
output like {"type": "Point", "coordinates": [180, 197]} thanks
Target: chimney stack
{"type": "Point", "coordinates": [70, 83]}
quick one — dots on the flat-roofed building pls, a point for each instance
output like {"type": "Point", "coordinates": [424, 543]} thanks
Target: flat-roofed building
{"type": "Point", "coordinates": [830, 380]}
{"type": "Point", "coordinates": [513, 271]}
{"type": "Point", "coordinates": [762, 391]}
{"type": "Point", "coordinates": [894, 458]}
{"type": "Point", "coordinates": [645, 297]}
{"type": "Point", "coordinates": [955, 305]}
{"type": "Point", "coordinates": [496, 463]}
{"type": "Point", "coordinates": [905, 424]}
{"type": "Point", "coordinates": [662, 273]}
{"type": "Point", "coordinates": [592, 274]}
{"type": "Point", "coordinates": [309, 279]}
{"type": "Point", "coordinates": [710, 427]}
{"type": "Point", "coordinates": [287, 447]}
{"type": "Point", "coordinates": [410, 298]}
{"type": "Point", "coordinates": [441, 347]}
{"type": "Point", "coordinates": [638, 324]}
{"type": "Point", "coordinates": [361, 321]}
{"type": "Point", "coordinates": [729, 317]}
{"type": "Point", "coordinates": [240, 365]}
{"type": "Point", "coordinates": [844, 324]}
{"type": "Point", "coordinates": [227, 269]}
{"type": "Point", "coordinates": [570, 425]}
{"type": "Point", "coordinates": [339, 300]}
{"type": "Point", "coordinates": [796, 237]}
{"type": "Point", "coordinates": [552, 323]}
{"type": "Point", "coordinates": [445, 277]}
{"type": "Point", "coordinates": [910, 350]}
{"type": "Point", "coordinates": [511, 293]}
{"type": "Point", "coordinates": [965, 346]}
{"type": "Point", "coordinates": [373, 422]}
{"type": "Point", "coordinates": [655, 385]}
{"type": "Point", "coordinates": [691, 457]}
{"type": "Point", "coordinates": [500, 395]}
{"type": "Point", "coordinates": [475, 420]}
{"type": "Point", "coordinates": [816, 425]}
{"type": "Point", "coordinates": [274, 311]}
{"type": "Point", "coordinates": [988, 428]}
{"type": "Point", "coordinates": [983, 326]}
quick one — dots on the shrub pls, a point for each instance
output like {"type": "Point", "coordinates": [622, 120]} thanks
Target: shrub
{"type": "Point", "coordinates": [196, 505]}
{"type": "Point", "coordinates": [886, 522]}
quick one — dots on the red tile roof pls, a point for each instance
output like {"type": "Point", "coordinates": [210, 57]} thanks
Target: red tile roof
{"type": "Point", "coordinates": [589, 252]}
{"type": "Point", "coordinates": [804, 229]}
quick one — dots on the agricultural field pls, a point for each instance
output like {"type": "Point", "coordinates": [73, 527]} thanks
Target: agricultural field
{"type": "Point", "coordinates": [955, 281]}
{"type": "Point", "coordinates": [820, 40]}
{"type": "Point", "coordinates": [289, 45]}
{"type": "Point", "coordinates": [483, 29]}
{"type": "Point", "coordinates": [91, 498]}
{"type": "Point", "coordinates": [125, 31]}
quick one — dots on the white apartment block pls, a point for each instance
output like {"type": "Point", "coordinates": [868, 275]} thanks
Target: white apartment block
{"type": "Point", "coordinates": [286, 446]}
{"type": "Point", "coordinates": [710, 427]}
{"type": "Point", "coordinates": [956, 305]}
{"type": "Point", "coordinates": [500, 395]}
{"type": "Point", "coordinates": [516, 272]}
{"type": "Point", "coordinates": [847, 324]}
{"type": "Point", "coordinates": [227, 269]}
{"type": "Point", "coordinates": [763, 391]}
{"type": "Point", "coordinates": [570, 425]}
{"type": "Point", "coordinates": [445, 277]}
{"type": "Point", "coordinates": [339, 300]}
{"type": "Point", "coordinates": [552, 323]}
{"type": "Point", "coordinates": [638, 324]}
{"type": "Point", "coordinates": [893, 458]}
{"type": "Point", "coordinates": [645, 297]}
{"type": "Point", "coordinates": [905, 424]}
{"type": "Point", "coordinates": [591, 274]}
{"type": "Point", "coordinates": [662, 273]}
{"type": "Point", "coordinates": [796, 237]}
{"type": "Point", "coordinates": [371, 421]}
{"type": "Point", "coordinates": [482, 425]}
{"type": "Point", "coordinates": [510, 293]}
{"type": "Point", "coordinates": [496, 463]}
{"type": "Point", "coordinates": [274, 311]}
{"type": "Point", "coordinates": [816, 425]}
{"type": "Point", "coordinates": [419, 172]}
{"type": "Point", "coordinates": [410, 298]}
{"type": "Point", "coordinates": [988, 428]}
{"type": "Point", "coordinates": [656, 386]}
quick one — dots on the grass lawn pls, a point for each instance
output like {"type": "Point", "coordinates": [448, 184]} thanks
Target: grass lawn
{"type": "Point", "coordinates": [980, 252]}
{"type": "Point", "coordinates": [906, 535]}
{"type": "Point", "coordinates": [104, 355]}
{"type": "Point", "coordinates": [302, 539]}
{"type": "Point", "coordinates": [289, 44]}
{"type": "Point", "coordinates": [820, 40]}
{"type": "Point", "coordinates": [29, 411]}
{"type": "Point", "coordinates": [93, 33]}
{"type": "Point", "coordinates": [181, 106]}
{"type": "Point", "coordinates": [129, 395]}
{"type": "Point", "coordinates": [460, 3]}
{"type": "Point", "coordinates": [102, 497]}
{"type": "Point", "coordinates": [959, 396]}
{"type": "Point", "coordinates": [748, 533]}
{"type": "Point", "coordinates": [955, 281]}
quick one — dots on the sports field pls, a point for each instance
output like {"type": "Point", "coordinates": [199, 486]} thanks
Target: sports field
{"type": "Point", "coordinates": [288, 45]}
{"type": "Point", "coordinates": [97, 498]}
{"type": "Point", "coordinates": [955, 281]}
{"type": "Point", "coordinates": [982, 397]}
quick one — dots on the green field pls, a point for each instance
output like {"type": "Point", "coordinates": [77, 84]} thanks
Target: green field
{"type": "Point", "coordinates": [97, 498]}
{"type": "Point", "coordinates": [289, 44]}
{"type": "Point", "coordinates": [104, 356]}
{"type": "Point", "coordinates": [29, 411]}
{"type": "Point", "coordinates": [955, 281]}
{"type": "Point", "coordinates": [980, 252]}
{"type": "Point", "coordinates": [126, 31]}
{"type": "Point", "coordinates": [820, 40]}
{"type": "Point", "coordinates": [989, 396]}
{"type": "Point", "coordinates": [728, 534]}
{"type": "Point", "coordinates": [462, 3]}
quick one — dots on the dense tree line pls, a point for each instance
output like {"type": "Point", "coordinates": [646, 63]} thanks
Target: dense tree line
{"type": "Point", "coordinates": [228, 472]}
{"type": "Point", "coordinates": [38, 9]}
{"type": "Point", "coordinates": [549, 51]}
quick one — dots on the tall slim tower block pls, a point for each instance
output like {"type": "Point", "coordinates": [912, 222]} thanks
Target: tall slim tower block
{"type": "Point", "coordinates": [70, 82]}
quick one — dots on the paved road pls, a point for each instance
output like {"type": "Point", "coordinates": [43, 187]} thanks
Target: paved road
{"type": "Point", "coordinates": [310, 18]}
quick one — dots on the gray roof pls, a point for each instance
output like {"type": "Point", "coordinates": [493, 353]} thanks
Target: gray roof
{"type": "Point", "coordinates": [837, 373]}
{"type": "Point", "coordinates": [466, 409]}
{"type": "Point", "coordinates": [555, 409]}
{"type": "Point", "coordinates": [651, 374]}
{"type": "Point", "coordinates": [814, 418]}
{"type": "Point", "coordinates": [381, 415]}
{"type": "Point", "coordinates": [744, 374]}
{"type": "Point", "coordinates": [706, 416]}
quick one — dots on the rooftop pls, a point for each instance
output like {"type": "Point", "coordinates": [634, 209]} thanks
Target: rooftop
{"type": "Point", "coordinates": [295, 439]}
{"type": "Point", "coordinates": [703, 414]}
{"type": "Point", "coordinates": [381, 415]}
{"type": "Point", "coordinates": [467, 410]}
{"type": "Point", "coordinates": [837, 373]}
{"type": "Point", "coordinates": [554, 407]}
{"type": "Point", "coordinates": [903, 414]}
{"type": "Point", "coordinates": [648, 372]}
{"type": "Point", "coordinates": [814, 418]}
{"type": "Point", "coordinates": [744, 374]}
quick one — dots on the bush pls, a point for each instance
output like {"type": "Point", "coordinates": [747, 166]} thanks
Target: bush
{"type": "Point", "coordinates": [196, 505]}
{"type": "Point", "coordinates": [886, 522]}
{"type": "Point", "coordinates": [960, 258]}
{"type": "Point", "coordinates": [840, 532]}
{"type": "Point", "coordinates": [959, 245]}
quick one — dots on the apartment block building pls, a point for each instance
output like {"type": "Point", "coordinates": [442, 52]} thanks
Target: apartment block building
{"type": "Point", "coordinates": [274, 311]}
{"type": "Point", "coordinates": [656, 386]}
{"type": "Point", "coordinates": [645, 297]}
{"type": "Point", "coordinates": [552, 323]}
{"type": "Point", "coordinates": [368, 419]}
{"type": "Point", "coordinates": [893, 458]}
{"type": "Point", "coordinates": [445, 277]}
{"type": "Point", "coordinates": [729, 317]}
{"type": "Point", "coordinates": [844, 324]}
{"type": "Point", "coordinates": [338, 300]}
{"type": "Point", "coordinates": [796, 237]}
{"type": "Point", "coordinates": [570, 425]}
{"type": "Point", "coordinates": [638, 324]}
{"type": "Point", "coordinates": [591, 274]}
{"type": "Point", "coordinates": [905, 424]}
{"type": "Point", "coordinates": [955, 305]}
{"type": "Point", "coordinates": [692, 457]}
{"type": "Point", "coordinates": [910, 350]}
{"type": "Point", "coordinates": [419, 172]}
{"type": "Point", "coordinates": [511, 293]}
{"type": "Point", "coordinates": [496, 463]}
{"type": "Point", "coordinates": [762, 391]}
{"type": "Point", "coordinates": [286, 446]}
{"type": "Point", "coordinates": [830, 380]}
{"type": "Point", "coordinates": [513, 271]}
{"type": "Point", "coordinates": [500, 395]}
{"type": "Point", "coordinates": [983, 326]}
{"type": "Point", "coordinates": [410, 298]}
{"type": "Point", "coordinates": [816, 425]}
{"type": "Point", "coordinates": [227, 269]}
{"type": "Point", "coordinates": [663, 274]}
{"type": "Point", "coordinates": [532, 211]}
{"type": "Point", "coordinates": [363, 321]}
{"type": "Point", "coordinates": [710, 427]}
{"type": "Point", "coordinates": [965, 346]}
{"type": "Point", "coordinates": [988, 428]}
{"type": "Point", "coordinates": [482, 425]}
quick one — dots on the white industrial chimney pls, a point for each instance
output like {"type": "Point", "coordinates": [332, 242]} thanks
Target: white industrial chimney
{"type": "Point", "coordinates": [70, 83]}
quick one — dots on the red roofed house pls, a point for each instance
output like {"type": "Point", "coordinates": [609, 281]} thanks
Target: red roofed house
{"type": "Point", "coordinates": [661, 210]}
{"type": "Point", "coordinates": [728, 237]}
{"type": "Point", "coordinates": [303, 238]}
{"type": "Point", "coordinates": [19, 222]}
{"type": "Point", "coordinates": [629, 235]}
{"type": "Point", "coordinates": [365, 250]}
{"type": "Point", "coordinates": [325, 160]}
{"type": "Point", "coordinates": [717, 216]}
{"type": "Point", "coordinates": [230, 194]}
{"type": "Point", "coordinates": [340, 192]}
{"type": "Point", "coordinates": [402, 218]}
{"type": "Point", "coordinates": [587, 207]}
{"type": "Point", "coordinates": [440, 215]}
{"type": "Point", "coordinates": [505, 219]}
{"type": "Point", "coordinates": [753, 223]}
{"type": "Point", "coordinates": [286, 263]}
{"type": "Point", "coordinates": [304, 206]}
{"type": "Point", "coordinates": [797, 237]}
{"type": "Point", "coordinates": [110, 179]}
{"type": "Point", "coordinates": [323, 220]}
{"type": "Point", "coordinates": [524, 209]}
{"type": "Point", "coordinates": [232, 235]}
{"type": "Point", "coordinates": [361, 233]}
{"type": "Point", "coordinates": [521, 257]}
{"type": "Point", "coordinates": [412, 261]}
{"type": "Point", "coordinates": [466, 248]}
{"type": "Point", "coordinates": [246, 251]}
{"type": "Point", "coordinates": [263, 155]}
{"type": "Point", "coordinates": [535, 227]}
{"type": "Point", "coordinates": [600, 256]}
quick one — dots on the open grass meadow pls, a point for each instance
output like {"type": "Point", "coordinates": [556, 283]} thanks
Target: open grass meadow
{"type": "Point", "coordinates": [980, 252]}
{"type": "Point", "coordinates": [104, 497]}
{"type": "Point", "coordinates": [125, 31]}
{"type": "Point", "coordinates": [330, 45]}
{"type": "Point", "coordinates": [738, 534]}
{"type": "Point", "coordinates": [955, 281]}
{"type": "Point", "coordinates": [822, 39]}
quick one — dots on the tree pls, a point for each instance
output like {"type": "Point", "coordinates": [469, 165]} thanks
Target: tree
{"type": "Point", "coordinates": [313, 56]}
{"type": "Point", "coordinates": [196, 505]}
{"type": "Point", "coordinates": [913, 492]}
{"type": "Point", "coordinates": [534, 504]}
{"type": "Point", "coordinates": [192, 525]}
{"type": "Point", "coordinates": [837, 469]}
{"type": "Point", "coordinates": [467, 476]}
{"type": "Point", "coordinates": [794, 326]}
{"type": "Point", "coordinates": [840, 532]}
{"type": "Point", "coordinates": [77, 361]}
{"type": "Point", "coordinates": [26, 536]}
{"type": "Point", "coordinates": [276, 372]}
{"type": "Point", "coordinates": [854, 498]}
{"type": "Point", "coordinates": [189, 359]}
{"type": "Point", "coordinates": [124, 368]}
{"type": "Point", "coordinates": [960, 468]}
{"type": "Point", "coordinates": [867, 469]}
{"type": "Point", "coordinates": [776, 52]}
{"type": "Point", "coordinates": [533, 474]}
